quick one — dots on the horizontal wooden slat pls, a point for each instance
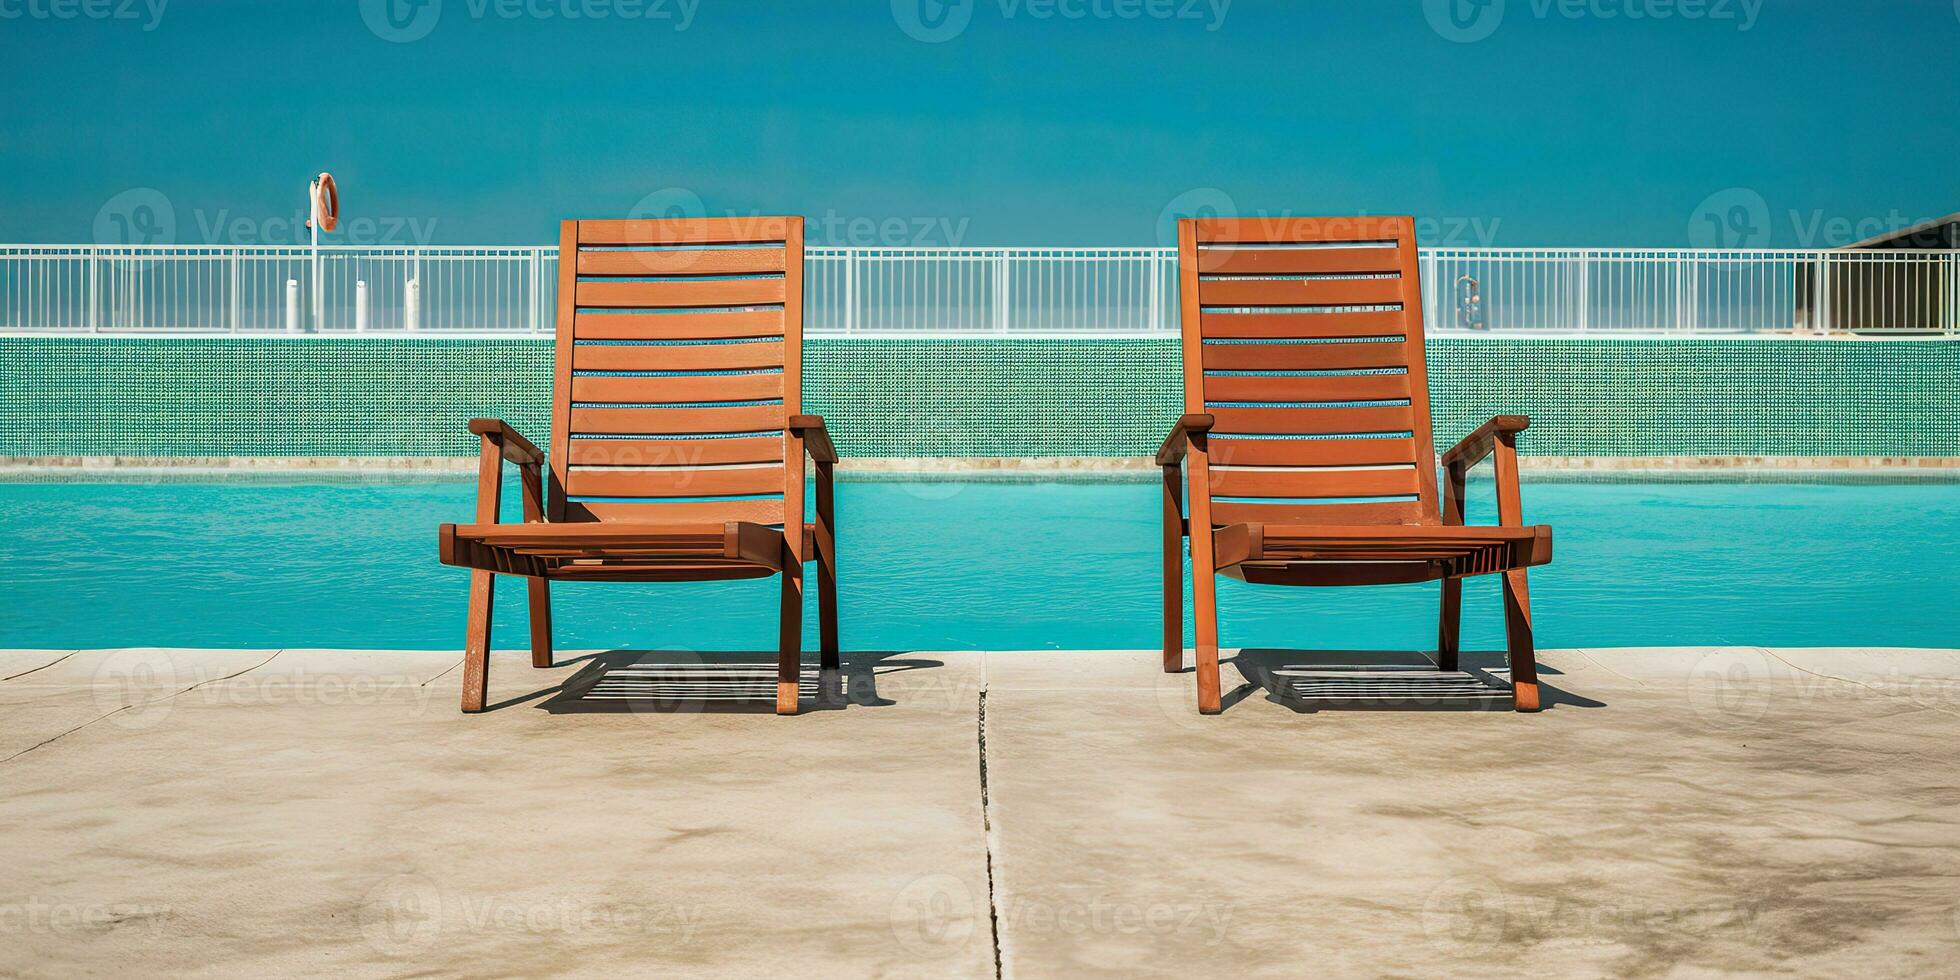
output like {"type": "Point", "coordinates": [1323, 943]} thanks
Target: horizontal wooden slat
{"type": "Point", "coordinates": [1306, 421]}
{"type": "Point", "coordinates": [1294, 292]}
{"type": "Point", "coordinates": [683, 231]}
{"type": "Point", "coordinates": [1305, 357]}
{"type": "Point", "coordinates": [1476, 546]}
{"type": "Point", "coordinates": [1398, 512]}
{"type": "Point", "coordinates": [716, 325]}
{"type": "Point", "coordinates": [681, 262]}
{"type": "Point", "coordinates": [1397, 482]}
{"type": "Point", "coordinates": [1309, 452]}
{"type": "Point", "coordinates": [678, 357]}
{"type": "Point", "coordinates": [684, 388]}
{"type": "Point", "coordinates": [592, 535]}
{"type": "Point", "coordinates": [686, 482]}
{"type": "Point", "coordinates": [1297, 261]}
{"type": "Point", "coordinates": [675, 452]}
{"type": "Point", "coordinates": [1335, 228]}
{"type": "Point", "coordinates": [1306, 388]}
{"type": "Point", "coordinates": [672, 293]}
{"type": "Point", "coordinates": [631, 571]}
{"type": "Point", "coordinates": [764, 511]}
{"type": "Point", "coordinates": [1303, 326]}
{"type": "Point", "coordinates": [677, 421]}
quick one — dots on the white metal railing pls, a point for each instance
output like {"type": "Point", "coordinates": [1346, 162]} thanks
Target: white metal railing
{"type": "Point", "coordinates": [172, 289]}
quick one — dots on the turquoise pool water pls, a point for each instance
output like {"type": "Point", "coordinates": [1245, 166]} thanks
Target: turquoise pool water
{"type": "Point", "coordinates": [997, 566]}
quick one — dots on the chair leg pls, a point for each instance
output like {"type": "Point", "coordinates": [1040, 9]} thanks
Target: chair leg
{"type": "Point", "coordinates": [789, 662]}
{"type": "Point", "coordinates": [540, 622]}
{"type": "Point", "coordinates": [1173, 572]}
{"type": "Point", "coordinates": [1204, 600]}
{"type": "Point", "coordinates": [1518, 642]}
{"type": "Point", "coordinates": [827, 608]}
{"type": "Point", "coordinates": [476, 641]}
{"type": "Point", "coordinates": [1449, 624]}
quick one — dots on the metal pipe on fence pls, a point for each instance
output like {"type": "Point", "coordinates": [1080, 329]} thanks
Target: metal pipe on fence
{"type": "Point", "coordinates": [992, 291]}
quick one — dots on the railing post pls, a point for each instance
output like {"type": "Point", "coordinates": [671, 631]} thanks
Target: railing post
{"type": "Point", "coordinates": [850, 289]}
{"type": "Point", "coordinates": [237, 288]}
{"type": "Point", "coordinates": [1686, 285]}
{"type": "Point", "coordinates": [1000, 292]}
{"type": "Point", "coordinates": [537, 289]}
{"type": "Point", "coordinates": [94, 289]}
{"type": "Point", "coordinates": [1431, 314]}
{"type": "Point", "coordinates": [1953, 292]}
{"type": "Point", "coordinates": [1155, 313]}
{"type": "Point", "coordinates": [1824, 317]}
{"type": "Point", "coordinates": [1585, 290]}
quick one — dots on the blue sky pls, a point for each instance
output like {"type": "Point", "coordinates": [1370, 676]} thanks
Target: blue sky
{"type": "Point", "coordinates": [991, 122]}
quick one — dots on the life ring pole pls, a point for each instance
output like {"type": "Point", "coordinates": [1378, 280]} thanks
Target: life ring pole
{"type": "Point", "coordinates": [323, 210]}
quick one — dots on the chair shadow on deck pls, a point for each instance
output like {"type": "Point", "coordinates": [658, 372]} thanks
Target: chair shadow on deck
{"type": "Point", "coordinates": [1308, 681]}
{"type": "Point", "coordinates": [689, 682]}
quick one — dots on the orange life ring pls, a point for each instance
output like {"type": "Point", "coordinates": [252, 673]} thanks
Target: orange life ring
{"type": "Point", "coordinates": [326, 202]}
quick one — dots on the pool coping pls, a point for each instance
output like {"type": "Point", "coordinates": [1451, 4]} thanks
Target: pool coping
{"type": "Point", "coordinates": [73, 469]}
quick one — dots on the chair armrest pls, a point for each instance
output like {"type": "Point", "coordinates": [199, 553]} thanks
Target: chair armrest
{"type": "Point", "coordinates": [816, 438]}
{"type": "Point", "coordinates": [516, 448]}
{"type": "Point", "coordinates": [1480, 441]}
{"type": "Point", "coordinates": [1173, 449]}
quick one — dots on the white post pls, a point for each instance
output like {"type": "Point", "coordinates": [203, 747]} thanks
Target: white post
{"type": "Point", "coordinates": [360, 306]}
{"type": "Point", "coordinates": [412, 305]}
{"type": "Point", "coordinates": [1585, 290]}
{"type": "Point", "coordinates": [94, 288]}
{"type": "Point", "coordinates": [1000, 292]}
{"type": "Point", "coordinates": [292, 306]}
{"type": "Point", "coordinates": [237, 288]}
{"type": "Point", "coordinates": [850, 290]}
{"type": "Point", "coordinates": [313, 207]}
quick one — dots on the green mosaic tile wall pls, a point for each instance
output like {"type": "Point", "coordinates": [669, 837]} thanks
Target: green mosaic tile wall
{"type": "Point", "coordinates": [919, 398]}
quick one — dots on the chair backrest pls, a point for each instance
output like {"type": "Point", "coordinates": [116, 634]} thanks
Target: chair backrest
{"type": "Point", "coordinates": [1303, 338]}
{"type": "Point", "coordinates": [678, 364]}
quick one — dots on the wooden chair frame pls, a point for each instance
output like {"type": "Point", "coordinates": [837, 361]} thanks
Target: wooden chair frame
{"type": "Point", "coordinates": [669, 337]}
{"type": "Point", "coordinates": [1357, 480]}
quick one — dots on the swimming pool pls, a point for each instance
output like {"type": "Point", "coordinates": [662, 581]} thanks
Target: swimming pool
{"type": "Point", "coordinates": [956, 565]}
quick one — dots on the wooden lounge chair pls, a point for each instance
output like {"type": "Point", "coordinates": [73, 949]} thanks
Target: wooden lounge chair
{"type": "Point", "coordinates": [677, 439]}
{"type": "Point", "coordinates": [1306, 441]}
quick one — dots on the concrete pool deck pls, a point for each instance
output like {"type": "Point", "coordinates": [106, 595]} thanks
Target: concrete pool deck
{"type": "Point", "coordinates": [961, 814]}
